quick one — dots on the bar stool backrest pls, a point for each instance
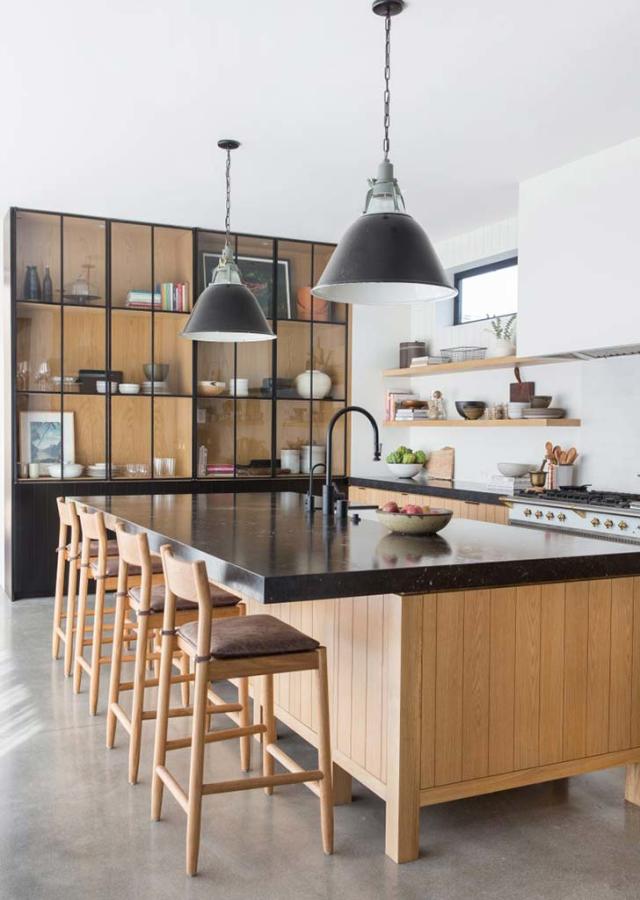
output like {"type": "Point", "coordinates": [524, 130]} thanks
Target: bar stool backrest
{"type": "Point", "coordinates": [133, 550]}
{"type": "Point", "coordinates": [69, 522]}
{"type": "Point", "coordinates": [187, 580]}
{"type": "Point", "coordinates": [93, 529]}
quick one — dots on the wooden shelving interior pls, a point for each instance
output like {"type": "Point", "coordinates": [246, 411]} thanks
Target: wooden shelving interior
{"type": "Point", "coordinates": [69, 334]}
{"type": "Point", "coordinates": [486, 423]}
{"type": "Point", "coordinates": [476, 365]}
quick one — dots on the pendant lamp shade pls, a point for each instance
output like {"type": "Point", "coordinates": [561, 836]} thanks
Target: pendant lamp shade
{"type": "Point", "coordinates": [226, 311]}
{"type": "Point", "coordinates": [384, 258]}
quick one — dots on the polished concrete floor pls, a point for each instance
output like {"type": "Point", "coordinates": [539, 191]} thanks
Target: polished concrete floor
{"type": "Point", "coordinates": [71, 827]}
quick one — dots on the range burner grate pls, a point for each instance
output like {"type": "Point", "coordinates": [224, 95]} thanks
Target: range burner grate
{"type": "Point", "coordinates": [612, 499]}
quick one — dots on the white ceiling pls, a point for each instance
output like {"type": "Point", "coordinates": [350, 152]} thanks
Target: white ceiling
{"type": "Point", "coordinates": [114, 107]}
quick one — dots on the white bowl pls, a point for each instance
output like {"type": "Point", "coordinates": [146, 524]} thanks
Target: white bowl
{"type": "Point", "coordinates": [129, 388]}
{"type": "Point", "coordinates": [514, 410]}
{"type": "Point", "coordinates": [404, 470]}
{"type": "Point", "coordinates": [71, 470]}
{"type": "Point", "coordinates": [101, 387]}
{"type": "Point", "coordinates": [515, 470]}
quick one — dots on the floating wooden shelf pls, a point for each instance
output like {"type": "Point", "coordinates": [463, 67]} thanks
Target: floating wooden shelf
{"type": "Point", "coordinates": [475, 365]}
{"type": "Point", "coordinates": [487, 423]}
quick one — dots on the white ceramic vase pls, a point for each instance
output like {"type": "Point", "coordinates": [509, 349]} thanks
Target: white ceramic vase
{"type": "Point", "coordinates": [321, 386]}
{"type": "Point", "coordinates": [499, 347]}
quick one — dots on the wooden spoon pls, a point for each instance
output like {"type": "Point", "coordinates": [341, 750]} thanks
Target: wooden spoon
{"type": "Point", "coordinates": [557, 450]}
{"type": "Point", "coordinates": [572, 454]}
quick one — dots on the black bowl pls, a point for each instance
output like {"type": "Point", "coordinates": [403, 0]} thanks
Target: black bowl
{"type": "Point", "coordinates": [471, 409]}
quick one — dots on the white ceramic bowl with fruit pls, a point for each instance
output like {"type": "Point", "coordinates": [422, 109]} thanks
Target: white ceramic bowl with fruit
{"type": "Point", "coordinates": [413, 519]}
{"type": "Point", "coordinates": [405, 462]}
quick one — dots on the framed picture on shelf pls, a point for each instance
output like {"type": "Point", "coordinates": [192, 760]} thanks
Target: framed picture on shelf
{"type": "Point", "coordinates": [41, 436]}
{"type": "Point", "coordinates": [257, 274]}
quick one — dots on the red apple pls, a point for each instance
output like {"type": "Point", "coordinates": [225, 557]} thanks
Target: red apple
{"type": "Point", "coordinates": [412, 510]}
{"type": "Point", "coordinates": [391, 506]}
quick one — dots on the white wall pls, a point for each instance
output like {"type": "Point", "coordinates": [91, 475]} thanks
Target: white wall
{"type": "Point", "coordinates": [604, 393]}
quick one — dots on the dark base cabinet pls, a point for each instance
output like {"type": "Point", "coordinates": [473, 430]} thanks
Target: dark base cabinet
{"type": "Point", "coordinates": [31, 557]}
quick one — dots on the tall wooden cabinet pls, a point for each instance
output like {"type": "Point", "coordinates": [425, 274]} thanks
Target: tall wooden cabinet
{"type": "Point", "coordinates": [118, 297]}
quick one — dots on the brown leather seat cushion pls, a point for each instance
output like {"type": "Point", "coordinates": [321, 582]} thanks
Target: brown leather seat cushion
{"type": "Point", "coordinates": [218, 598]}
{"type": "Point", "coordinates": [250, 636]}
{"type": "Point", "coordinates": [112, 548]}
{"type": "Point", "coordinates": [114, 561]}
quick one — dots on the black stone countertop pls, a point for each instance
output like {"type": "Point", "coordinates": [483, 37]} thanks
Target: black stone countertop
{"type": "Point", "coordinates": [455, 490]}
{"type": "Point", "coordinates": [266, 546]}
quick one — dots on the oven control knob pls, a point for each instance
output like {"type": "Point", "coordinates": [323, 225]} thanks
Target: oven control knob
{"type": "Point", "coordinates": [550, 515]}
{"type": "Point", "coordinates": [622, 526]}
{"type": "Point", "coordinates": [538, 514]}
{"type": "Point", "coordinates": [562, 517]}
{"type": "Point", "coordinates": [608, 523]}
{"type": "Point", "coordinates": [595, 522]}
{"type": "Point", "coordinates": [527, 512]}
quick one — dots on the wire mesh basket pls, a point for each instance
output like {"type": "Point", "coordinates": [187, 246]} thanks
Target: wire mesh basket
{"type": "Point", "coordinates": [462, 354]}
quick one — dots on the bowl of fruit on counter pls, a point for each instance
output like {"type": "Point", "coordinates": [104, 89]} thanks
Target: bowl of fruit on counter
{"type": "Point", "coordinates": [413, 519]}
{"type": "Point", "coordinates": [405, 462]}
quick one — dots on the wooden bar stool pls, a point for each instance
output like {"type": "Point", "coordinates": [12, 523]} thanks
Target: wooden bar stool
{"type": "Point", "coordinates": [233, 648]}
{"type": "Point", "coordinates": [68, 551]}
{"type": "Point", "coordinates": [146, 602]}
{"type": "Point", "coordinates": [103, 569]}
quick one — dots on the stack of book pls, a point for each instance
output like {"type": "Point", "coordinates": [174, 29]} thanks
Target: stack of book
{"type": "Point", "coordinates": [143, 300]}
{"type": "Point", "coordinates": [168, 296]}
{"type": "Point", "coordinates": [411, 415]}
{"type": "Point", "coordinates": [391, 401]}
{"type": "Point", "coordinates": [221, 470]}
{"type": "Point", "coordinates": [174, 297]}
{"type": "Point", "coordinates": [509, 485]}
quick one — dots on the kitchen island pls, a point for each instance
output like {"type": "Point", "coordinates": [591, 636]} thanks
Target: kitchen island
{"type": "Point", "coordinates": [483, 658]}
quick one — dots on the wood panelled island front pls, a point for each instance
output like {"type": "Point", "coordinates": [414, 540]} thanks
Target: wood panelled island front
{"type": "Point", "coordinates": [459, 688]}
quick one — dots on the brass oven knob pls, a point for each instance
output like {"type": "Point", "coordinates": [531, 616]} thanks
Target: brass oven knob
{"type": "Point", "coordinates": [538, 514]}
{"type": "Point", "coordinates": [527, 512]}
{"type": "Point", "coordinates": [595, 522]}
{"type": "Point", "coordinates": [622, 526]}
{"type": "Point", "coordinates": [550, 515]}
{"type": "Point", "coordinates": [608, 523]}
{"type": "Point", "coordinates": [562, 517]}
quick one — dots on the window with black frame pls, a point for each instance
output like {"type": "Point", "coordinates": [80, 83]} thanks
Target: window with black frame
{"type": "Point", "coordinates": [488, 290]}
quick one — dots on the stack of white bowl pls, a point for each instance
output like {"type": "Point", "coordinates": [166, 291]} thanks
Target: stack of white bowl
{"type": "Point", "coordinates": [514, 410]}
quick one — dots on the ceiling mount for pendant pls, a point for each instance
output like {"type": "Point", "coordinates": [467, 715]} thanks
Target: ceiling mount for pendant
{"type": "Point", "coordinates": [387, 7]}
{"type": "Point", "coordinates": [228, 144]}
{"type": "Point", "coordinates": [226, 311]}
{"type": "Point", "coordinates": [385, 256]}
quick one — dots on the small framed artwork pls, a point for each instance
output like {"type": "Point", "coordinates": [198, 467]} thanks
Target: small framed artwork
{"type": "Point", "coordinates": [257, 274]}
{"type": "Point", "coordinates": [41, 437]}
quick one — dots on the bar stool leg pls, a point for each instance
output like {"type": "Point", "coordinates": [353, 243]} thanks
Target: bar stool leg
{"type": "Point", "coordinates": [324, 753]}
{"type": "Point", "coordinates": [96, 648]}
{"type": "Point", "coordinates": [162, 724]}
{"type": "Point", "coordinates": [137, 703]}
{"type": "Point", "coordinates": [70, 621]}
{"type": "Point", "coordinates": [80, 629]}
{"type": "Point", "coordinates": [194, 810]}
{"type": "Point", "coordinates": [184, 687]}
{"type": "Point", "coordinates": [116, 668]}
{"type": "Point", "coordinates": [57, 603]}
{"type": "Point", "coordinates": [269, 736]}
{"type": "Point", "coordinates": [245, 742]}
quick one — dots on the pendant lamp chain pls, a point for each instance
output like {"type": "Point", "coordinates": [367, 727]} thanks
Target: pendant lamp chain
{"type": "Point", "coordinates": [387, 79]}
{"type": "Point", "coordinates": [227, 218]}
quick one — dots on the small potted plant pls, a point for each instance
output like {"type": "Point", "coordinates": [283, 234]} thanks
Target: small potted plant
{"type": "Point", "coordinates": [502, 332]}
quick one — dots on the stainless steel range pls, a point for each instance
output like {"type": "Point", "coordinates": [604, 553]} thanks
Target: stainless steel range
{"type": "Point", "coordinates": [604, 514]}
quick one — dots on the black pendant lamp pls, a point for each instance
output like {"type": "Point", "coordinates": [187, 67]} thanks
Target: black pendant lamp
{"type": "Point", "coordinates": [226, 310]}
{"type": "Point", "coordinates": [385, 256]}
